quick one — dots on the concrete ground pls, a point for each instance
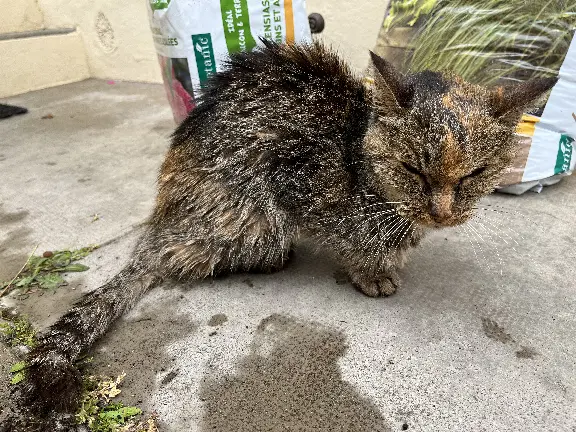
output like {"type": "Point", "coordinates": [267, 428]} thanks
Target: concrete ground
{"type": "Point", "coordinates": [481, 337]}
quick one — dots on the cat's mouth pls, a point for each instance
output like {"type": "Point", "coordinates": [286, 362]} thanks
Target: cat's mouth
{"type": "Point", "coordinates": [427, 220]}
{"type": "Point", "coordinates": [430, 221]}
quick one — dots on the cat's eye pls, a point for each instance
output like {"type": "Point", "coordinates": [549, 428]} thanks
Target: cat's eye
{"type": "Point", "coordinates": [411, 169]}
{"type": "Point", "coordinates": [476, 172]}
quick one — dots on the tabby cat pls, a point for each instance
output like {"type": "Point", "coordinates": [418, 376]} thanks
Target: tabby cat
{"type": "Point", "coordinates": [286, 142]}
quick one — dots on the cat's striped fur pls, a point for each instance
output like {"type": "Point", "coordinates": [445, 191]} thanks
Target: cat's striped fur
{"type": "Point", "coordinates": [288, 141]}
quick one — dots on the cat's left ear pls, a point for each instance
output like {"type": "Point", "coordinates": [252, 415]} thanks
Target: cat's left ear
{"type": "Point", "coordinates": [391, 93]}
{"type": "Point", "coordinates": [509, 102]}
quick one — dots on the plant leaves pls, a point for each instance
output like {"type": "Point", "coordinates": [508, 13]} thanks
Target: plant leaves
{"type": "Point", "coordinates": [17, 367]}
{"type": "Point", "coordinates": [19, 331]}
{"type": "Point", "coordinates": [36, 262]}
{"type": "Point", "coordinates": [121, 413]}
{"type": "Point", "coordinates": [44, 271]}
{"type": "Point", "coordinates": [102, 415]}
{"type": "Point", "coordinates": [49, 281]}
{"type": "Point", "coordinates": [24, 281]}
{"type": "Point", "coordinates": [19, 377]}
{"type": "Point", "coordinates": [61, 259]}
{"type": "Point", "coordinates": [130, 411]}
{"type": "Point", "coordinates": [74, 268]}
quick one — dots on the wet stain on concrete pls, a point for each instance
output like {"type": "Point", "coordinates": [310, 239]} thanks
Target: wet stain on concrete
{"type": "Point", "coordinates": [144, 357]}
{"type": "Point", "coordinates": [14, 242]}
{"type": "Point", "coordinates": [163, 128]}
{"type": "Point", "coordinates": [495, 332]}
{"type": "Point", "coordinates": [290, 381]}
{"type": "Point", "coordinates": [526, 353]}
{"type": "Point", "coordinates": [169, 377]}
{"type": "Point", "coordinates": [217, 320]}
{"type": "Point", "coordinates": [12, 217]}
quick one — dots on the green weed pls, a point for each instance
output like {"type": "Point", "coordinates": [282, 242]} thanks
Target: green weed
{"type": "Point", "coordinates": [101, 414]}
{"type": "Point", "coordinates": [19, 331]}
{"type": "Point", "coordinates": [45, 272]}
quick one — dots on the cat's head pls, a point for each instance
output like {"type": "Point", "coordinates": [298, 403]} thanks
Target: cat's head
{"type": "Point", "coordinates": [439, 143]}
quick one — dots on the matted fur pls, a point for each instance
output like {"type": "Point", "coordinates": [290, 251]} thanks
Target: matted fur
{"type": "Point", "coordinates": [287, 141]}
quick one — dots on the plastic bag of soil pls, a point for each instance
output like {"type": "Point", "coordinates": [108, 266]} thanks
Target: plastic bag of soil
{"type": "Point", "coordinates": [194, 37]}
{"type": "Point", "coordinates": [494, 42]}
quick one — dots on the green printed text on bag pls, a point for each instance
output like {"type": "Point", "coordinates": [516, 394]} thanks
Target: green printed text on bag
{"type": "Point", "coordinates": [204, 53]}
{"type": "Point", "coordinates": [565, 149]}
{"type": "Point", "coordinates": [236, 22]}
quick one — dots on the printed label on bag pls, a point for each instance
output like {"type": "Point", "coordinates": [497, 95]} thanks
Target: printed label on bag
{"type": "Point", "coordinates": [206, 32]}
{"type": "Point", "coordinates": [565, 149]}
{"type": "Point", "coordinates": [204, 52]}
{"type": "Point", "coordinates": [236, 23]}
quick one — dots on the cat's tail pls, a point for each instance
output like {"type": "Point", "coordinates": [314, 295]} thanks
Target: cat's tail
{"type": "Point", "coordinates": [53, 384]}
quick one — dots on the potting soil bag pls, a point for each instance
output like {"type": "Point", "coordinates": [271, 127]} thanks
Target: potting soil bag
{"type": "Point", "coordinates": [194, 37]}
{"type": "Point", "coordinates": [495, 42]}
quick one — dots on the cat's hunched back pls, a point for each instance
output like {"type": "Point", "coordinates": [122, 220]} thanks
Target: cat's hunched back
{"type": "Point", "coordinates": [288, 141]}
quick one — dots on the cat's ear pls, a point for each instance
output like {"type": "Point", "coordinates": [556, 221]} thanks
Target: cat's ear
{"type": "Point", "coordinates": [509, 102]}
{"type": "Point", "coordinates": [391, 95]}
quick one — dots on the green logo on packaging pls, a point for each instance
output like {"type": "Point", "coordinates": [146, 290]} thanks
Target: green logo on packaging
{"type": "Point", "coordinates": [236, 22]}
{"type": "Point", "coordinates": [565, 150]}
{"type": "Point", "coordinates": [159, 4]}
{"type": "Point", "coordinates": [204, 53]}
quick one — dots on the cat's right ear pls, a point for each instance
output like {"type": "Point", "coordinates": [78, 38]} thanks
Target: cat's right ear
{"type": "Point", "coordinates": [509, 102]}
{"type": "Point", "coordinates": [391, 95]}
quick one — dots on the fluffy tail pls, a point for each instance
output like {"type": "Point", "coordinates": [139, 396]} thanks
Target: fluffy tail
{"type": "Point", "coordinates": [53, 384]}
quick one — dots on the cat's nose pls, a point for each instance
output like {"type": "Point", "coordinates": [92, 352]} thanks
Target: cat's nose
{"type": "Point", "coordinates": [441, 205]}
{"type": "Point", "coordinates": [440, 213]}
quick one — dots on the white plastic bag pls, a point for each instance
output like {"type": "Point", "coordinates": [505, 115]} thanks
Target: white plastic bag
{"type": "Point", "coordinates": [194, 37]}
{"type": "Point", "coordinates": [548, 147]}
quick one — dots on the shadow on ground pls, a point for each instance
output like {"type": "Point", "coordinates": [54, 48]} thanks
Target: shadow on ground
{"type": "Point", "coordinates": [137, 346]}
{"type": "Point", "coordinates": [291, 380]}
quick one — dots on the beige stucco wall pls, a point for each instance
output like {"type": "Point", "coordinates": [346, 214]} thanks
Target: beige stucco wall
{"type": "Point", "coordinates": [38, 62]}
{"type": "Point", "coordinates": [352, 27]}
{"type": "Point", "coordinates": [113, 38]}
{"type": "Point", "coordinates": [19, 16]}
{"type": "Point", "coordinates": [119, 43]}
{"type": "Point", "coordinates": [116, 35]}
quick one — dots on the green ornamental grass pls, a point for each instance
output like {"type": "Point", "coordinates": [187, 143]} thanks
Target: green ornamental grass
{"type": "Point", "coordinates": [487, 40]}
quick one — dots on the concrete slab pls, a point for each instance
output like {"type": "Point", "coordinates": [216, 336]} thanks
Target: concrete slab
{"type": "Point", "coordinates": [481, 337]}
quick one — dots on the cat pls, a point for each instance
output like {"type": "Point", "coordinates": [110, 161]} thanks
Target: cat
{"type": "Point", "coordinates": [287, 141]}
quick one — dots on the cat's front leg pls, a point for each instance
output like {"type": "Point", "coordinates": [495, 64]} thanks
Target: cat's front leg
{"type": "Point", "coordinates": [379, 285]}
{"type": "Point", "coordinates": [372, 265]}
{"type": "Point", "coordinates": [375, 273]}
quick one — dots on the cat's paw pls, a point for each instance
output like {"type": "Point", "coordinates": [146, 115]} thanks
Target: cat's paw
{"type": "Point", "coordinates": [52, 384]}
{"type": "Point", "coordinates": [380, 286]}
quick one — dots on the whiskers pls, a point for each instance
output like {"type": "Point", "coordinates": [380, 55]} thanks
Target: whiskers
{"type": "Point", "coordinates": [479, 237]}
{"type": "Point", "coordinates": [493, 237]}
{"type": "Point", "coordinates": [373, 227]}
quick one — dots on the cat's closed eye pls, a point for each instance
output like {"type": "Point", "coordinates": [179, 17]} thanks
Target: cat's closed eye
{"type": "Point", "coordinates": [477, 172]}
{"type": "Point", "coordinates": [411, 169]}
